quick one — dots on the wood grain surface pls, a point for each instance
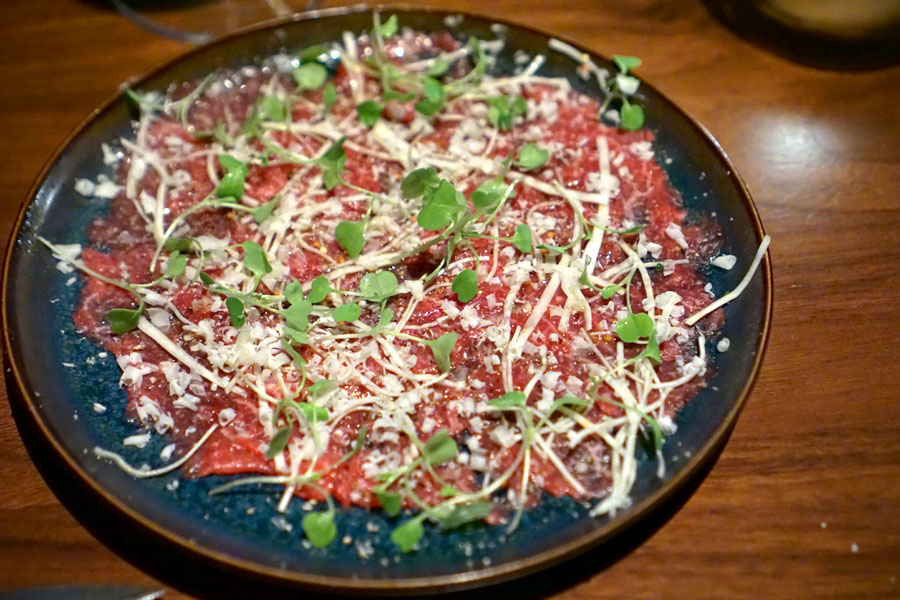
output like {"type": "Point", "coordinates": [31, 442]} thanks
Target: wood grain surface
{"type": "Point", "coordinates": [804, 502]}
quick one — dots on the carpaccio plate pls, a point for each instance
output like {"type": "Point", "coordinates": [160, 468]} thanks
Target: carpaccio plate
{"type": "Point", "coordinates": [243, 532]}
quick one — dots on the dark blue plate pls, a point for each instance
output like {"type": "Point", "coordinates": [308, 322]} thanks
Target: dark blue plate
{"type": "Point", "coordinates": [242, 531]}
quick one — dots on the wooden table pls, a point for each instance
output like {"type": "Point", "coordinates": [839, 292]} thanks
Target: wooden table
{"type": "Point", "coordinates": [805, 500]}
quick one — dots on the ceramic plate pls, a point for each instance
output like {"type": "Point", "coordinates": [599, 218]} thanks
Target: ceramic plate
{"type": "Point", "coordinates": [242, 532]}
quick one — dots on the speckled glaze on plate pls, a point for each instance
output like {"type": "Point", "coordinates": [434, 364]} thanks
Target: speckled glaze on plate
{"type": "Point", "coordinates": [242, 532]}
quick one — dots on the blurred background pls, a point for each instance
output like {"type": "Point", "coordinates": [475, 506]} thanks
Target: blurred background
{"type": "Point", "coordinates": [829, 34]}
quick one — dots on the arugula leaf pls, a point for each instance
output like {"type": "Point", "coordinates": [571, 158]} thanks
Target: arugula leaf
{"type": "Point", "coordinates": [626, 63]}
{"type": "Point", "coordinates": [438, 67]}
{"type": "Point", "coordinates": [177, 244]}
{"type": "Point", "coordinates": [407, 534]}
{"type": "Point", "coordinates": [279, 442]}
{"type": "Point", "coordinates": [522, 238]}
{"type": "Point", "coordinates": [441, 208]}
{"type": "Point", "coordinates": [391, 502]}
{"type": "Point", "coordinates": [434, 96]}
{"type": "Point", "coordinates": [235, 311]}
{"type": "Point", "coordinates": [310, 76]}
{"type": "Point", "coordinates": [418, 182]}
{"type": "Point", "coordinates": [511, 399]}
{"type": "Point", "coordinates": [319, 289]}
{"type": "Point", "coordinates": [264, 211]}
{"type": "Point", "coordinates": [440, 448]}
{"type": "Point", "coordinates": [320, 388]}
{"type": "Point", "coordinates": [232, 184]}
{"type": "Point", "coordinates": [346, 312]}
{"type": "Point", "coordinates": [502, 110]}
{"type": "Point", "coordinates": [369, 112]}
{"type": "Point", "coordinates": [378, 286]}
{"type": "Point", "coordinates": [532, 157]}
{"type": "Point", "coordinates": [313, 412]}
{"type": "Point", "coordinates": [487, 195]}
{"type": "Point", "coordinates": [466, 513]}
{"type": "Point", "coordinates": [123, 320]}
{"type": "Point", "coordinates": [441, 349]}
{"type": "Point", "coordinates": [319, 528]}
{"type": "Point", "coordinates": [176, 265]}
{"type": "Point", "coordinates": [312, 53]}
{"type": "Point", "coordinates": [297, 315]}
{"type": "Point", "coordinates": [465, 285]}
{"type": "Point", "coordinates": [255, 259]}
{"type": "Point", "coordinates": [329, 96]}
{"type": "Point", "coordinates": [634, 326]}
{"type": "Point", "coordinates": [389, 27]}
{"type": "Point", "coordinates": [351, 236]}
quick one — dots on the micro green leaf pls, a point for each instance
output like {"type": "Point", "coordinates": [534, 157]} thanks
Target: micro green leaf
{"type": "Point", "coordinates": [123, 320]}
{"type": "Point", "coordinates": [416, 183]}
{"type": "Point", "coordinates": [313, 412]}
{"type": "Point", "coordinates": [312, 53]}
{"type": "Point", "coordinates": [273, 108]}
{"type": "Point", "coordinates": [407, 534]}
{"type": "Point", "coordinates": [264, 211]}
{"type": "Point", "coordinates": [255, 259]}
{"type": "Point", "coordinates": [178, 244]}
{"type": "Point", "coordinates": [389, 27]}
{"type": "Point", "coordinates": [378, 286]}
{"type": "Point", "coordinates": [389, 95]}
{"type": "Point", "coordinates": [658, 439]}
{"type": "Point", "coordinates": [329, 96]}
{"type": "Point", "coordinates": [511, 399]}
{"type": "Point", "coordinates": [434, 96]}
{"type": "Point", "coordinates": [321, 388]}
{"type": "Point", "coordinates": [610, 291]}
{"type": "Point", "coordinates": [628, 231]}
{"type": "Point", "coordinates": [232, 184]}
{"type": "Point", "coordinates": [332, 163]}
{"type": "Point", "coordinates": [176, 265]}
{"type": "Point", "coordinates": [347, 312]}
{"type": "Point", "coordinates": [465, 285]}
{"type": "Point", "coordinates": [386, 316]}
{"type": "Point", "coordinates": [310, 76]}
{"type": "Point", "coordinates": [369, 112]}
{"type": "Point", "coordinates": [391, 502]}
{"type": "Point", "coordinates": [438, 67]}
{"type": "Point", "coordinates": [293, 292]}
{"type": "Point", "coordinates": [297, 315]}
{"type": "Point", "coordinates": [351, 236]}
{"type": "Point", "coordinates": [441, 349]}
{"type": "Point", "coordinates": [319, 528]}
{"type": "Point", "coordinates": [296, 336]}
{"type": "Point", "coordinates": [634, 326]}
{"type": "Point", "coordinates": [235, 311]}
{"type": "Point", "coordinates": [440, 448]}
{"type": "Point", "coordinates": [522, 238]}
{"type": "Point", "coordinates": [568, 400]}
{"type": "Point", "coordinates": [279, 442]}
{"type": "Point", "coordinates": [466, 513]}
{"type": "Point", "coordinates": [441, 208]}
{"type": "Point", "coordinates": [488, 194]}
{"type": "Point", "coordinates": [502, 110]}
{"type": "Point", "coordinates": [295, 357]}
{"type": "Point", "coordinates": [632, 116]}
{"type": "Point", "coordinates": [532, 157]}
{"type": "Point", "coordinates": [626, 63]}
{"type": "Point", "coordinates": [651, 350]}
{"type": "Point", "coordinates": [206, 279]}
{"type": "Point", "coordinates": [319, 289]}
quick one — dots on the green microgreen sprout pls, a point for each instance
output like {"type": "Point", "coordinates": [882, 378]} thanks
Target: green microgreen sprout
{"type": "Point", "coordinates": [310, 76]}
{"type": "Point", "coordinates": [235, 311]}
{"type": "Point", "coordinates": [532, 157]}
{"type": "Point", "coordinates": [369, 112]}
{"type": "Point", "coordinates": [346, 313]}
{"type": "Point", "coordinates": [329, 96]}
{"type": "Point", "coordinates": [465, 284]}
{"type": "Point", "coordinates": [502, 110]}
{"type": "Point", "coordinates": [379, 286]}
{"type": "Point", "coordinates": [319, 289]}
{"type": "Point", "coordinates": [232, 184]}
{"type": "Point", "coordinates": [619, 89]}
{"type": "Point", "coordinates": [350, 235]}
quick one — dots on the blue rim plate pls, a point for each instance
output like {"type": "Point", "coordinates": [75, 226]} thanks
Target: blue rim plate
{"type": "Point", "coordinates": [242, 531]}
